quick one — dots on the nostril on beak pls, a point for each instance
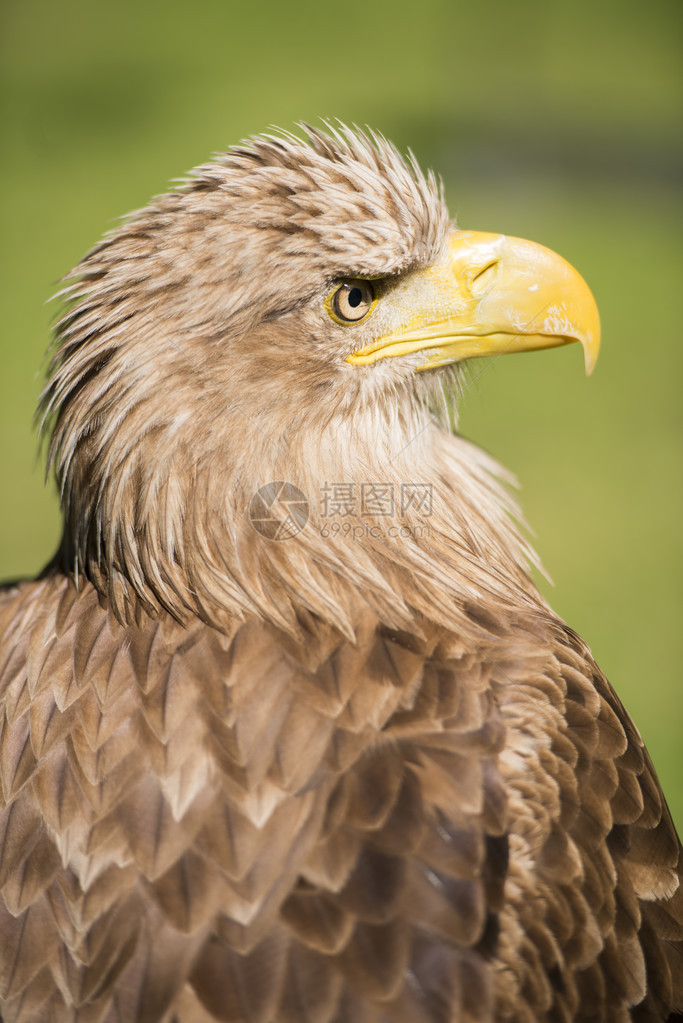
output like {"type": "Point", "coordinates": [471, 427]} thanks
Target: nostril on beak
{"type": "Point", "coordinates": [482, 281]}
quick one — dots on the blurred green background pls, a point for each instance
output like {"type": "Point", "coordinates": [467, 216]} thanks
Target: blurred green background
{"type": "Point", "coordinates": [557, 122]}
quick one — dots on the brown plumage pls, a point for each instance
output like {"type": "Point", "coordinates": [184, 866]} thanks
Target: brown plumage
{"type": "Point", "coordinates": [359, 774]}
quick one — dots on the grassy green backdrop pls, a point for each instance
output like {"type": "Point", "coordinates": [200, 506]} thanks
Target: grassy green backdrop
{"type": "Point", "coordinates": [557, 122]}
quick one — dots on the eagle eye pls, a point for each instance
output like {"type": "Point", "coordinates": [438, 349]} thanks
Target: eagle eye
{"type": "Point", "coordinates": [351, 301]}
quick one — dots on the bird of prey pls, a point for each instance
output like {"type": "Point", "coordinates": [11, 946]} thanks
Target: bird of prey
{"type": "Point", "coordinates": [288, 734]}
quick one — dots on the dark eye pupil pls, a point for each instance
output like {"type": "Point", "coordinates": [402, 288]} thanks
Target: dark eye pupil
{"type": "Point", "coordinates": [355, 297]}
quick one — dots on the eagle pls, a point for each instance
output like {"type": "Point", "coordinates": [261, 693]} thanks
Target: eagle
{"type": "Point", "coordinates": [288, 733]}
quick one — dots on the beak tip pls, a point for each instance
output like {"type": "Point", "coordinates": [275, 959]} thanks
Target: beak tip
{"type": "Point", "coordinates": [591, 350]}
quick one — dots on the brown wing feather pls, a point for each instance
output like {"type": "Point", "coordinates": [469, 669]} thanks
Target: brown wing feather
{"type": "Point", "coordinates": [200, 826]}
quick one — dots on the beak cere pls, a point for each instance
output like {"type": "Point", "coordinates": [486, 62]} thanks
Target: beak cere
{"type": "Point", "coordinates": [494, 295]}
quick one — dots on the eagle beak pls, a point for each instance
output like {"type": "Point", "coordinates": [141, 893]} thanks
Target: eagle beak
{"type": "Point", "coordinates": [493, 295]}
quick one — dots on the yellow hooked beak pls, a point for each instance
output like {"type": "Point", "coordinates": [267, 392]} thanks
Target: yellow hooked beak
{"type": "Point", "coordinates": [494, 294]}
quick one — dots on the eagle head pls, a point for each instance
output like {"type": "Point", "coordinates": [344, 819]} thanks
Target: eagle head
{"type": "Point", "coordinates": [288, 313]}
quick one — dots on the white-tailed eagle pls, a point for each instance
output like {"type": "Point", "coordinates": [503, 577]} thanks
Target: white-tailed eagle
{"type": "Point", "coordinates": [287, 733]}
